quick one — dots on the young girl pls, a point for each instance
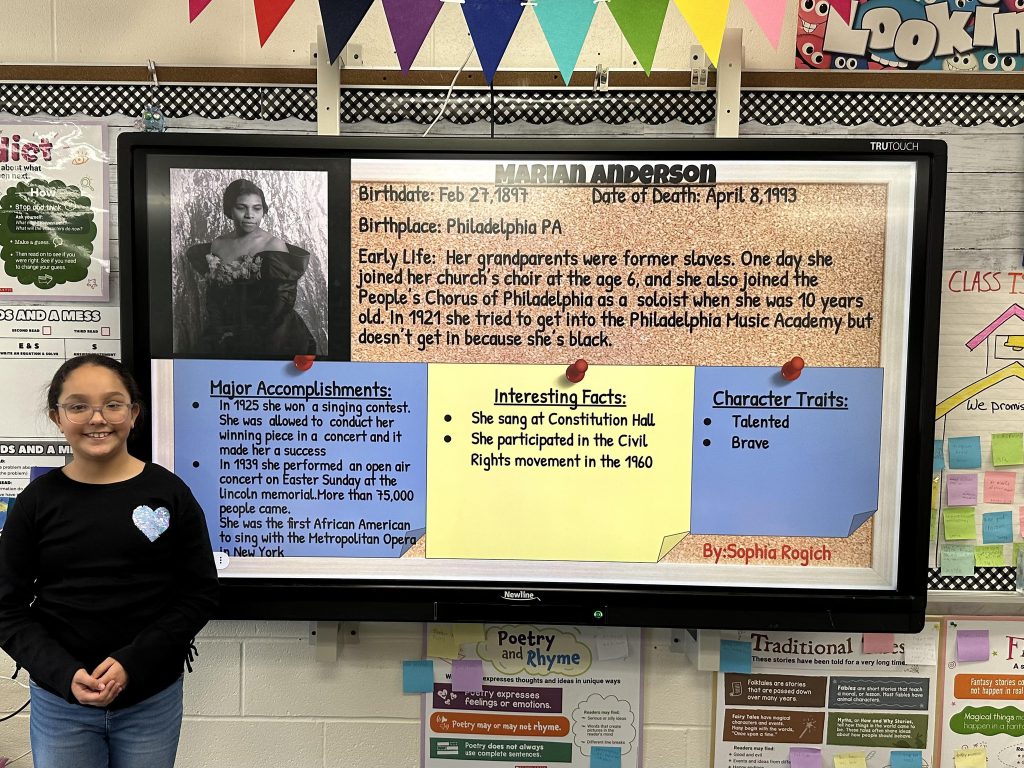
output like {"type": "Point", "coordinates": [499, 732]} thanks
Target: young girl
{"type": "Point", "coordinates": [251, 284]}
{"type": "Point", "coordinates": [106, 576]}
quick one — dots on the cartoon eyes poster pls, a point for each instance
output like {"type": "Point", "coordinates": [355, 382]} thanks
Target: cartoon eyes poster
{"type": "Point", "coordinates": [930, 35]}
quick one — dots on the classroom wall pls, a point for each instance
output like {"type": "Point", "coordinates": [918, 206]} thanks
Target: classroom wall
{"type": "Point", "coordinates": [259, 697]}
{"type": "Point", "coordinates": [130, 32]}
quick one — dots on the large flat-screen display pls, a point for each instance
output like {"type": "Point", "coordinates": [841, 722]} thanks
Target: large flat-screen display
{"type": "Point", "coordinates": [666, 383]}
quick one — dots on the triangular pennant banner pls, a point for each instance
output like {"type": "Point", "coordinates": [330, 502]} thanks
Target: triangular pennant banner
{"type": "Point", "coordinates": [195, 7]}
{"type": "Point", "coordinates": [340, 19]}
{"type": "Point", "coordinates": [640, 22]}
{"type": "Point", "coordinates": [769, 15]}
{"type": "Point", "coordinates": [707, 20]}
{"type": "Point", "coordinates": [268, 15]}
{"type": "Point", "coordinates": [491, 24]}
{"type": "Point", "coordinates": [844, 8]}
{"type": "Point", "coordinates": [410, 22]}
{"type": "Point", "coordinates": [565, 24]}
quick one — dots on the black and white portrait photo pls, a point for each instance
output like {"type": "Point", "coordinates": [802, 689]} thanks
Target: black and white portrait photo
{"type": "Point", "coordinates": [249, 262]}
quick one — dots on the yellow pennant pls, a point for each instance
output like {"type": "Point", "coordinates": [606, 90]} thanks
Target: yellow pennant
{"type": "Point", "coordinates": [707, 20]}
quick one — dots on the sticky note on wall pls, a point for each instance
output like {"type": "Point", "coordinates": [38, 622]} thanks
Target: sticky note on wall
{"type": "Point", "coordinates": [910, 758]}
{"type": "Point", "coordinates": [804, 757]}
{"type": "Point", "coordinates": [964, 452]}
{"type": "Point", "coordinates": [972, 757]}
{"type": "Point", "coordinates": [997, 527]}
{"type": "Point", "coordinates": [962, 489]}
{"type": "Point", "coordinates": [957, 560]}
{"type": "Point", "coordinates": [972, 645]}
{"type": "Point", "coordinates": [1000, 487]}
{"type": "Point", "coordinates": [958, 524]}
{"type": "Point", "coordinates": [1007, 449]}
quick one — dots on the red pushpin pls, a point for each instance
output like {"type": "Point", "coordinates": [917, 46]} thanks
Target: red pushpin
{"type": "Point", "coordinates": [304, 362]}
{"type": "Point", "coordinates": [575, 372]}
{"type": "Point", "coordinates": [791, 370]}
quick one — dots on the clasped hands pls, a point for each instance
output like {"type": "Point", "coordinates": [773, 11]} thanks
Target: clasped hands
{"type": "Point", "coordinates": [101, 687]}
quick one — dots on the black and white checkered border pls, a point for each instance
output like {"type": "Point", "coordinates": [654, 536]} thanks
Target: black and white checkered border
{"type": "Point", "coordinates": [984, 580]}
{"type": "Point", "coordinates": [540, 107]}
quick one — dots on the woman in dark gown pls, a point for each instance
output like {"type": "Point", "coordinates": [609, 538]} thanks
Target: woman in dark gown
{"type": "Point", "coordinates": [251, 281]}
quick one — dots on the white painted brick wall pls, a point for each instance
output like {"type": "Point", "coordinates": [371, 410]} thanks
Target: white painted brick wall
{"type": "Point", "coordinates": [258, 697]}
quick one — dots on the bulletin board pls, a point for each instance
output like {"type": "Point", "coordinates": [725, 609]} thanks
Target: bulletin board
{"type": "Point", "coordinates": [382, 412]}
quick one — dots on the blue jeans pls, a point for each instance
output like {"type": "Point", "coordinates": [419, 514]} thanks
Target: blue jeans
{"type": "Point", "coordinates": [144, 735]}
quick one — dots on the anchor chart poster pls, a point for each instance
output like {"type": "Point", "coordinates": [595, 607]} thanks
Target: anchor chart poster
{"type": "Point", "coordinates": [54, 213]}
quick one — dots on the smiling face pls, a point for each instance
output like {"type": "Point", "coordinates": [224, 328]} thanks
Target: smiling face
{"type": "Point", "coordinates": [97, 440]}
{"type": "Point", "coordinates": [247, 213]}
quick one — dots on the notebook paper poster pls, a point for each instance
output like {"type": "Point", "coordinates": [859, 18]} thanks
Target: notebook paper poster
{"type": "Point", "coordinates": [35, 339]}
{"type": "Point", "coordinates": [982, 714]}
{"type": "Point", "coordinates": [54, 212]}
{"type": "Point", "coordinates": [546, 699]}
{"type": "Point", "coordinates": [822, 694]}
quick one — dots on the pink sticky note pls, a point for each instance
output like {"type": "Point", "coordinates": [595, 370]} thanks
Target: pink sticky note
{"type": "Point", "coordinates": [878, 642]}
{"type": "Point", "coordinates": [972, 645]}
{"type": "Point", "coordinates": [962, 489]}
{"type": "Point", "coordinates": [999, 487]}
{"type": "Point", "coordinates": [467, 675]}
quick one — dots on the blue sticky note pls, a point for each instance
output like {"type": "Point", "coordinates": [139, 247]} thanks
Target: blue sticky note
{"type": "Point", "coordinates": [910, 758]}
{"type": "Point", "coordinates": [965, 453]}
{"type": "Point", "coordinates": [606, 757]}
{"type": "Point", "coordinates": [418, 676]}
{"type": "Point", "coordinates": [937, 463]}
{"type": "Point", "coordinates": [997, 527]}
{"type": "Point", "coordinates": [735, 656]}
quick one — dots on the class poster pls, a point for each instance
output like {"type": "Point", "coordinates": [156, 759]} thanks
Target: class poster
{"type": "Point", "coordinates": [825, 694]}
{"type": "Point", "coordinates": [526, 694]}
{"type": "Point", "coordinates": [983, 691]}
{"type": "Point", "coordinates": [901, 35]}
{"type": "Point", "coordinates": [35, 339]}
{"type": "Point", "coordinates": [54, 212]}
{"type": "Point", "coordinates": [978, 463]}
{"type": "Point", "coordinates": [449, 430]}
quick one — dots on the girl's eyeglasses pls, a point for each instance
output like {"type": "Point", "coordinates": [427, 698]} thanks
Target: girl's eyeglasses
{"type": "Point", "coordinates": [114, 412]}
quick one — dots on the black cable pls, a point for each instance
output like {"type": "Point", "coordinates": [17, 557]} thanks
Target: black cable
{"type": "Point", "coordinates": [16, 712]}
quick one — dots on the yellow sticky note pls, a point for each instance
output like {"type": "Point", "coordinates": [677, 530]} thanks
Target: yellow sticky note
{"type": "Point", "coordinates": [936, 490]}
{"type": "Point", "coordinates": [850, 760]}
{"type": "Point", "coordinates": [971, 757]}
{"type": "Point", "coordinates": [441, 642]}
{"type": "Point", "coordinates": [989, 556]}
{"type": "Point", "coordinates": [958, 524]}
{"type": "Point", "coordinates": [468, 633]}
{"type": "Point", "coordinates": [1007, 449]}
{"type": "Point", "coordinates": [521, 466]}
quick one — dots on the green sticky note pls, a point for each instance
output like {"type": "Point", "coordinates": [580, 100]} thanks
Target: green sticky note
{"type": "Point", "coordinates": [933, 530]}
{"type": "Point", "coordinates": [1007, 449]}
{"type": "Point", "coordinates": [989, 556]}
{"type": "Point", "coordinates": [958, 524]}
{"type": "Point", "coordinates": [1016, 552]}
{"type": "Point", "coordinates": [957, 560]}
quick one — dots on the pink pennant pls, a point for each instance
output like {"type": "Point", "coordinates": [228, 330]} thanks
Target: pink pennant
{"type": "Point", "coordinates": [195, 7]}
{"type": "Point", "coordinates": [769, 15]}
{"type": "Point", "coordinates": [843, 8]}
{"type": "Point", "coordinates": [268, 15]}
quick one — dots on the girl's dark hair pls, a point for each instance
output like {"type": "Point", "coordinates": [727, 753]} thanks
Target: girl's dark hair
{"type": "Point", "coordinates": [236, 189]}
{"type": "Point", "coordinates": [74, 363]}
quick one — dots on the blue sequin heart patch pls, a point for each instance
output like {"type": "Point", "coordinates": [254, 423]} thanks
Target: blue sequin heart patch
{"type": "Point", "coordinates": [152, 522]}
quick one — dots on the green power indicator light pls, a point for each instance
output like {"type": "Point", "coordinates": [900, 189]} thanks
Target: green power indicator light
{"type": "Point", "coordinates": [598, 614]}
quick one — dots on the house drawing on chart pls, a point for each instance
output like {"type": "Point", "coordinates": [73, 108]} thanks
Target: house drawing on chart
{"type": "Point", "coordinates": [1002, 349]}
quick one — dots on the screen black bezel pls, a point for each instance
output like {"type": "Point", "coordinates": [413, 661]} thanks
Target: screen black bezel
{"type": "Point", "coordinates": [142, 190]}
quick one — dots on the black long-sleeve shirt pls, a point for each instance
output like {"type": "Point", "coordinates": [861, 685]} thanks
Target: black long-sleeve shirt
{"type": "Point", "coordinates": [80, 580]}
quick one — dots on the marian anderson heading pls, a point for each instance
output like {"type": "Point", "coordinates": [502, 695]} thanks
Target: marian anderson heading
{"type": "Point", "coordinates": [612, 173]}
